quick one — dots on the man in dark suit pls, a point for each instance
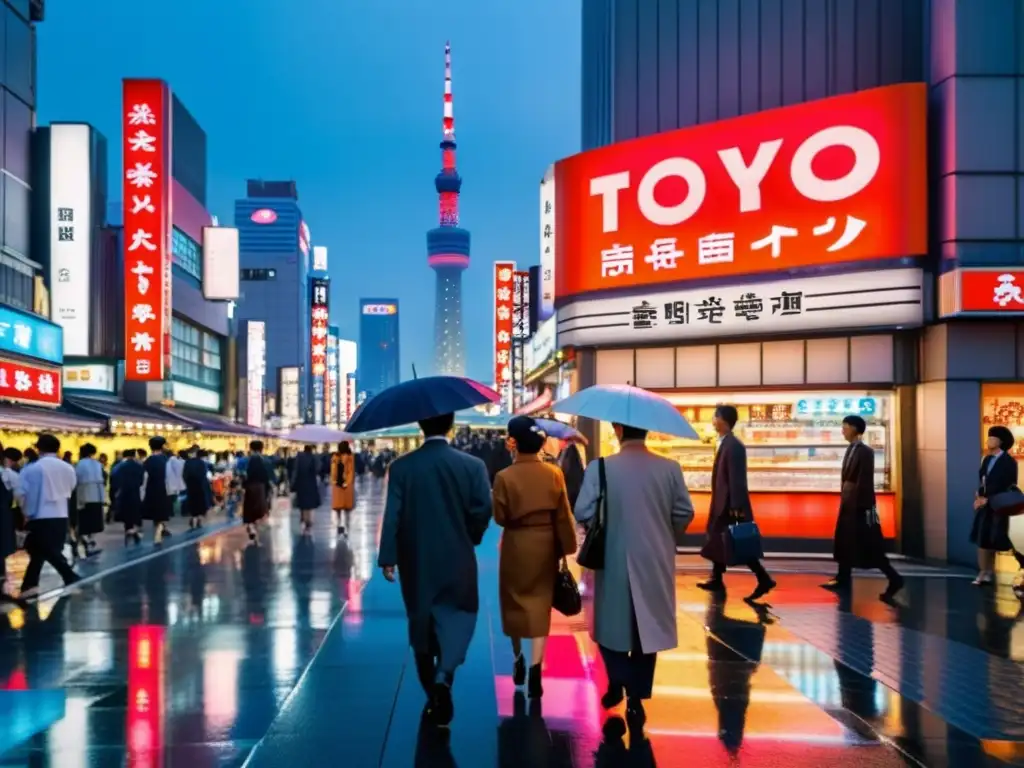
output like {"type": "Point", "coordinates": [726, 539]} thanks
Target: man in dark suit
{"type": "Point", "coordinates": [858, 541]}
{"type": "Point", "coordinates": [730, 503]}
{"type": "Point", "coordinates": [438, 509]}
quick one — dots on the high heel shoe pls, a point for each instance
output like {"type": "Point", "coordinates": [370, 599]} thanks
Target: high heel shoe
{"type": "Point", "coordinates": [519, 671]}
{"type": "Point", "coordinates": [534, 688]}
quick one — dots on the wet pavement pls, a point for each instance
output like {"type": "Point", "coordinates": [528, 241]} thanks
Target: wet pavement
{"type": "Point", "coordinates": [217, 653]}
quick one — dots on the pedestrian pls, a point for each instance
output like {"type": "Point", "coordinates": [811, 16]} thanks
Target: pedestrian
{"type": "Point", "coordinates": [198, 493]}
{"type": "Point", "coordinates": [255, 490]}
{"type": "Point", "coordinates": [343, 491]}
{"type": "Point", "coordinates": [89, 494]}
{"type": "Point", "coordinates": [127, 483]}
{"type": "Point", "coordinates": [306, 485]}
{"type": "Point", "coordinates": [175, 482]}
{"type": "Point", "coordinates": [990, 530]}
{"type": "Point", "coordinates": [532, 505]}
{"type": "Point", "coordinates": [9, 483]}
{"type": "Point", "coordinates": [44, 488]}
{"type": "Point", "coordinates": [647, 508]}
{"type": "Point", "coordinates": [157, 505]}
{"type": "Point", "coordinates": [730, 504]}
{"type": "Point", "coordinates": [437, 511]}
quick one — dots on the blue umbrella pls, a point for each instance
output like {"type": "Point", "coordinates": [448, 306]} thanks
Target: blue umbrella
{"type": "Point", "coordinates": [625, 404]}
{"type": "Point", "coordinates": [560, 430]}
{"type": "Point", "coordinates": [419, 399]}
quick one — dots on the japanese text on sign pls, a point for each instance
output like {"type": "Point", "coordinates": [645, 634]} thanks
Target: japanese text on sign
{"type": "Point", "coordinates": [504, 286]}
{"type": "Point", "coordinates": [29, 383]}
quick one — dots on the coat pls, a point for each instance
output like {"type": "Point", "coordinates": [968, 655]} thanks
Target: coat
{"type": "Point", "coordinates": [648, 510]}
{"type": "Point", "coordinates": [156, 504]}
{"type": "Point", "coordinates": [343, 497]}
{"type": "Point", "coordinates": [858, 541]}
{"type": "Point", "coordinates": [729, 493]}
{"type": "Point", "coordinates": [532, 505]}
{"type": "Point", "coordinates": [256, 500]}
{"type": "Point", "coordinates": [8, 526]}
{"type": "Point", "coordinates": [198, 494]}
{"type": "Point", "coordinates": [990, 530]}
{"type": "Point", "coordinates": [306, 482]}
{"type": "Point", "coordinates": [572, 468]}
{"type": "Point", "coordinates": [126, 485]}
{"type": "Point", "coordinates": [437, 511]}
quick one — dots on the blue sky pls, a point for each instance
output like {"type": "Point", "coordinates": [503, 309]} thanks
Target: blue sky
{"type": "Point", "coordinates": [344, 96]}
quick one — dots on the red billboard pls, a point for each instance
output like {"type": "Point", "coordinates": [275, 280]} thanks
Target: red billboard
{"type": "Point", "coordinates": [32, 384]}
{"type": "Point", "coordinates": [146, 181]}
{"type": "Point", "coordinates": [833, 181]}
{"type": "Point", "coordinates": [504, 284]}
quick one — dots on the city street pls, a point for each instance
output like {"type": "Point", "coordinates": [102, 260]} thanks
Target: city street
{"type": "Point", "coordinates": [216, 653]}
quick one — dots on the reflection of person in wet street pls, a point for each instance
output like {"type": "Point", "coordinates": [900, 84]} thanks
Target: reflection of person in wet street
{"type": "Point", "coordinates": [437, 511]}
{"type": "Point", "coordinates": [734, 654]}
{"type": "Point", "coordinates": [646, 511]}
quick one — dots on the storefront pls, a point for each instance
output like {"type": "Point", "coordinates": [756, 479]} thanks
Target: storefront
{"type": "Point", "coordinates": [773, 262]}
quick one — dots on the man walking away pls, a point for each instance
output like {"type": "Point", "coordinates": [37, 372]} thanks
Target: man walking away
{"type": "Point", "coordinates": [89, 496]}
{"type": "Point", "coordinates": [438, 509]}
{"type": "Point", "coordinates": [156, 504]}
{"type": "Point", "coordinates": [858, 539]}
{"type": "Point", "coordinates": [730, 503]}
{"type": "Point", "coordinates": [43, 492]}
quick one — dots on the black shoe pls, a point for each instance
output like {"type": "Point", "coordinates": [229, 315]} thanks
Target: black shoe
{"type": "Point", "coordinates": [636, 716]}
{"type": "Point", "coordinates": [712, 585]}
{"type": "Point", "coordinates": [534, 688]}
{"type": "Point", "coordinates": [836, 585]}
{"type": "Point", "coordinates": [340, 531]}
{"type": "Point", "coordinates": [895, 585]}
{"type": "Point", "coordinates": [762, 589]}
{"type": "Point", "coordinates": [613, 696]}
{"type": "Point", "coordinates": [519, 670]}
{"type": "Point", "coordinates": [441, 708]}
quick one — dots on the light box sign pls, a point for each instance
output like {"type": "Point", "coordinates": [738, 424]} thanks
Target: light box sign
{"type": "Point", "coordinates": [889, 298]}
{"type": "Point", "coordinates": [521, 306]}
{"type": "Point", "coordinates": [92, 377]}
{"type": "Point", "coordinates": [70, 234]}
{"type": "Point", "coordinates": [256, 356]}
{"type": "Point", "coordinates": [319, 258]}
{"type": "Point", "coordinates": [318, 343]}
{"type": "Point", "coordinates": [833, 181]}
{"type": "Point", "coordinates": [504, 284]}
{"type": "Point", "coordinates": [542, 346]}
{"type": "Point", "coordinates": [24, 334]}
{"type": "Point", "coordinates": [348, 356]}
{"type": "Point", "coordinates": [331, 380]}
{"type": "Point", "coordinates": [220, 264]}
{"type": "Point", "coordinates": [30, 384]}
{"type": "Point", "coordinates": [981, 291]}
{"type": "Point", "coordinates": [547, 245]}
{"type": "Point", "coordinates": [380, 309]}
{"type": "Point", "coordinates": [288, 387]}
{"type": "Point", "coordinates": [147, 199]}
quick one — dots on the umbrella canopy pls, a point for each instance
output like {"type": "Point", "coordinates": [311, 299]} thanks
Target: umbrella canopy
{"type": "Point", "coordinates": [560, 430]}
{"type": "Point", "coordinates": [625, 404]}
{"type": "Point", "coordinates": [314, 433]}
{"type": "Point", "coordinates": [419, 399]}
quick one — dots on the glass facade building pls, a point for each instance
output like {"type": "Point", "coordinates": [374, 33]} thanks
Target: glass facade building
{"type": "Point", "coordinates": [379, 362]}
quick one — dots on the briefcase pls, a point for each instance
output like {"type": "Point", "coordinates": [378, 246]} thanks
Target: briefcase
{"type": "Point", "coordinates": [742, 543]}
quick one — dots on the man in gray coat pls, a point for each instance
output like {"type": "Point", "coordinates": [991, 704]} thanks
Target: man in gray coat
{"type": "Point", "coordinates": [646, 511]}
{"type": "Point", "coordinates": [438, 509]}
{"type": "Point", "coordinates": [730, 502]}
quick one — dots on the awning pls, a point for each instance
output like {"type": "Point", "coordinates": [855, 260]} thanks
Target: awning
{"type": "Point", "coordinates": [113, 409]}
{"type": "Point", "coordinates": [536, 405]}
{"type": "Point", "coordinates": [32, 419]}
{"type": "Point", "coordinates": [203, 421]}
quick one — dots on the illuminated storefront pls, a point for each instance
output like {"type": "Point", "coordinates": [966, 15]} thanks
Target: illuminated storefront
{"type": "Point", "coordinates": [770, 262]}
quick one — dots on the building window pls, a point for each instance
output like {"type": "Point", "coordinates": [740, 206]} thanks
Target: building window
{"type": "Point", "coordinates": [195, 355]}
{"type": "Point", "coordinates": [258, 274]}
{"type": "Point", "coordinates": [187, 253]}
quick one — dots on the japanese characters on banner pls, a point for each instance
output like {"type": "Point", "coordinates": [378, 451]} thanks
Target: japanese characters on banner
{"type": "Point", "coordinates": [289, 404]}
{"type": "Point", "coordinates": [256, 359]}
{"type": "Point", "coordinates": [147, 216]}
{"type": "Point", "coordinates": [886, 298]}
{"type": "Point", "coordinates": [547, 246]}
{"type": "Point", "coordinates": [827, 182]}
{"type": "Point", "coordinates": [982, 290]}
{"type": "Point", "coordinates": [24, 383]}
{"type": "Point", "coordinates": [318, 343]}
{"type": "Point", "coordinates": [521, 306]}
{"type": "Point", "coordinates": [504, 283]}
{"type": "Point", "coordinates": [331, 379]}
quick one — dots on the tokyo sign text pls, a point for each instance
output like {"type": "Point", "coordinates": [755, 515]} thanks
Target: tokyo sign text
{"type": "Point", "coordinates": [827, 182]}
{"type": "Point", "coordinates": [504, 284]}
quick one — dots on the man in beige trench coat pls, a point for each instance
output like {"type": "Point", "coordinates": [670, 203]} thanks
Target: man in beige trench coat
{"type": "Point", "coordinates": [634, 615]}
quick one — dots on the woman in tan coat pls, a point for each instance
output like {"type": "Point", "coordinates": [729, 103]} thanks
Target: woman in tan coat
{"type": "Point", "coordinates": [343, 492]}
{"type": "Point", "coordinates": [531, 504]}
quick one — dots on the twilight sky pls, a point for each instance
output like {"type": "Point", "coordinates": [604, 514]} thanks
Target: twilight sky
{"type": "Point", "coordinates": [344, 96]}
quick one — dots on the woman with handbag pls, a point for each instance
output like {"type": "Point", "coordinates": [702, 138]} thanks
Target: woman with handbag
{"type": "Point", "coordinates": [997, 474]}
{"type": "Point", "coordinates": [532, 505]}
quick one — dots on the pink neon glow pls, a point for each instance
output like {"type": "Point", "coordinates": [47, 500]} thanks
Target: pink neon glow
{"type": "Point", "coordinates": [264, 216]}
{"type": "Point", "coordinates": [448, 260]}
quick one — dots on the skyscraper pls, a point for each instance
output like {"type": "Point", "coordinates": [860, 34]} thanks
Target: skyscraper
{"type": "Point", "coordinates": [448, 247]}
{"type": "Point", "coordinates": [378, 351]}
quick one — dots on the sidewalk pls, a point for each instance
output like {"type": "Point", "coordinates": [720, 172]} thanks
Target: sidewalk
{"type": "Point", "coordinates": [114, 554]}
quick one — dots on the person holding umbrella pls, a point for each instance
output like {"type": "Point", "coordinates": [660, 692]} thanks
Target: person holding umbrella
{"type": "Point", "coordinates": [437, 511]}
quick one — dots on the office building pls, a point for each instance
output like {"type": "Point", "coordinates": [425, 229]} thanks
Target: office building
{"type": "Point", "coordinates": [378, 348]}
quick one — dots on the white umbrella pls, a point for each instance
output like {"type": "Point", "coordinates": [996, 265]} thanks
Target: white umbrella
{"type": "Point", "coordinates": [625, 404]}
{"type": "Point", "coordinates": [314, 433]}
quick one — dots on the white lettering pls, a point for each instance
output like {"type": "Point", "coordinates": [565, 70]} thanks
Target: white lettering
{"type": "Point", "coordinates": [867, 159]}
{"type": "Point", "coordinates": [748, 178]}
{"type": "Point", "coordinates": [697, 188]}
{"type": "Point", "coordinates": [608, 187]}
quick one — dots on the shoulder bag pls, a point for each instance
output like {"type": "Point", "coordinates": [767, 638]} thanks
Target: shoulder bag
{"type": "Point", "coordinates": [591, 554]}
{"type": "Point", "coordinates": [566, 599]}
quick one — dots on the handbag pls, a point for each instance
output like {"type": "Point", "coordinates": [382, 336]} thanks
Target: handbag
{"type": "Point", "coordinates": [742, 543]}
{"type": "Point", "coordinates": [566, 599]}
{"type": "Point", "coordinates": [1009, 502]}
{"type": "Point", "coordinates": [591, 554]}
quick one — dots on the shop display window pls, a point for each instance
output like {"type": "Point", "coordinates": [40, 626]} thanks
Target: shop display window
{"type": "Point", "coordinates": [794, 439]}
{"type": "Point", "coordinates": [1003, 405]}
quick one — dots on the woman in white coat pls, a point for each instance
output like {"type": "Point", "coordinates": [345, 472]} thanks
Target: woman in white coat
{"type": "Point", "coordinates": [647, 510]}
